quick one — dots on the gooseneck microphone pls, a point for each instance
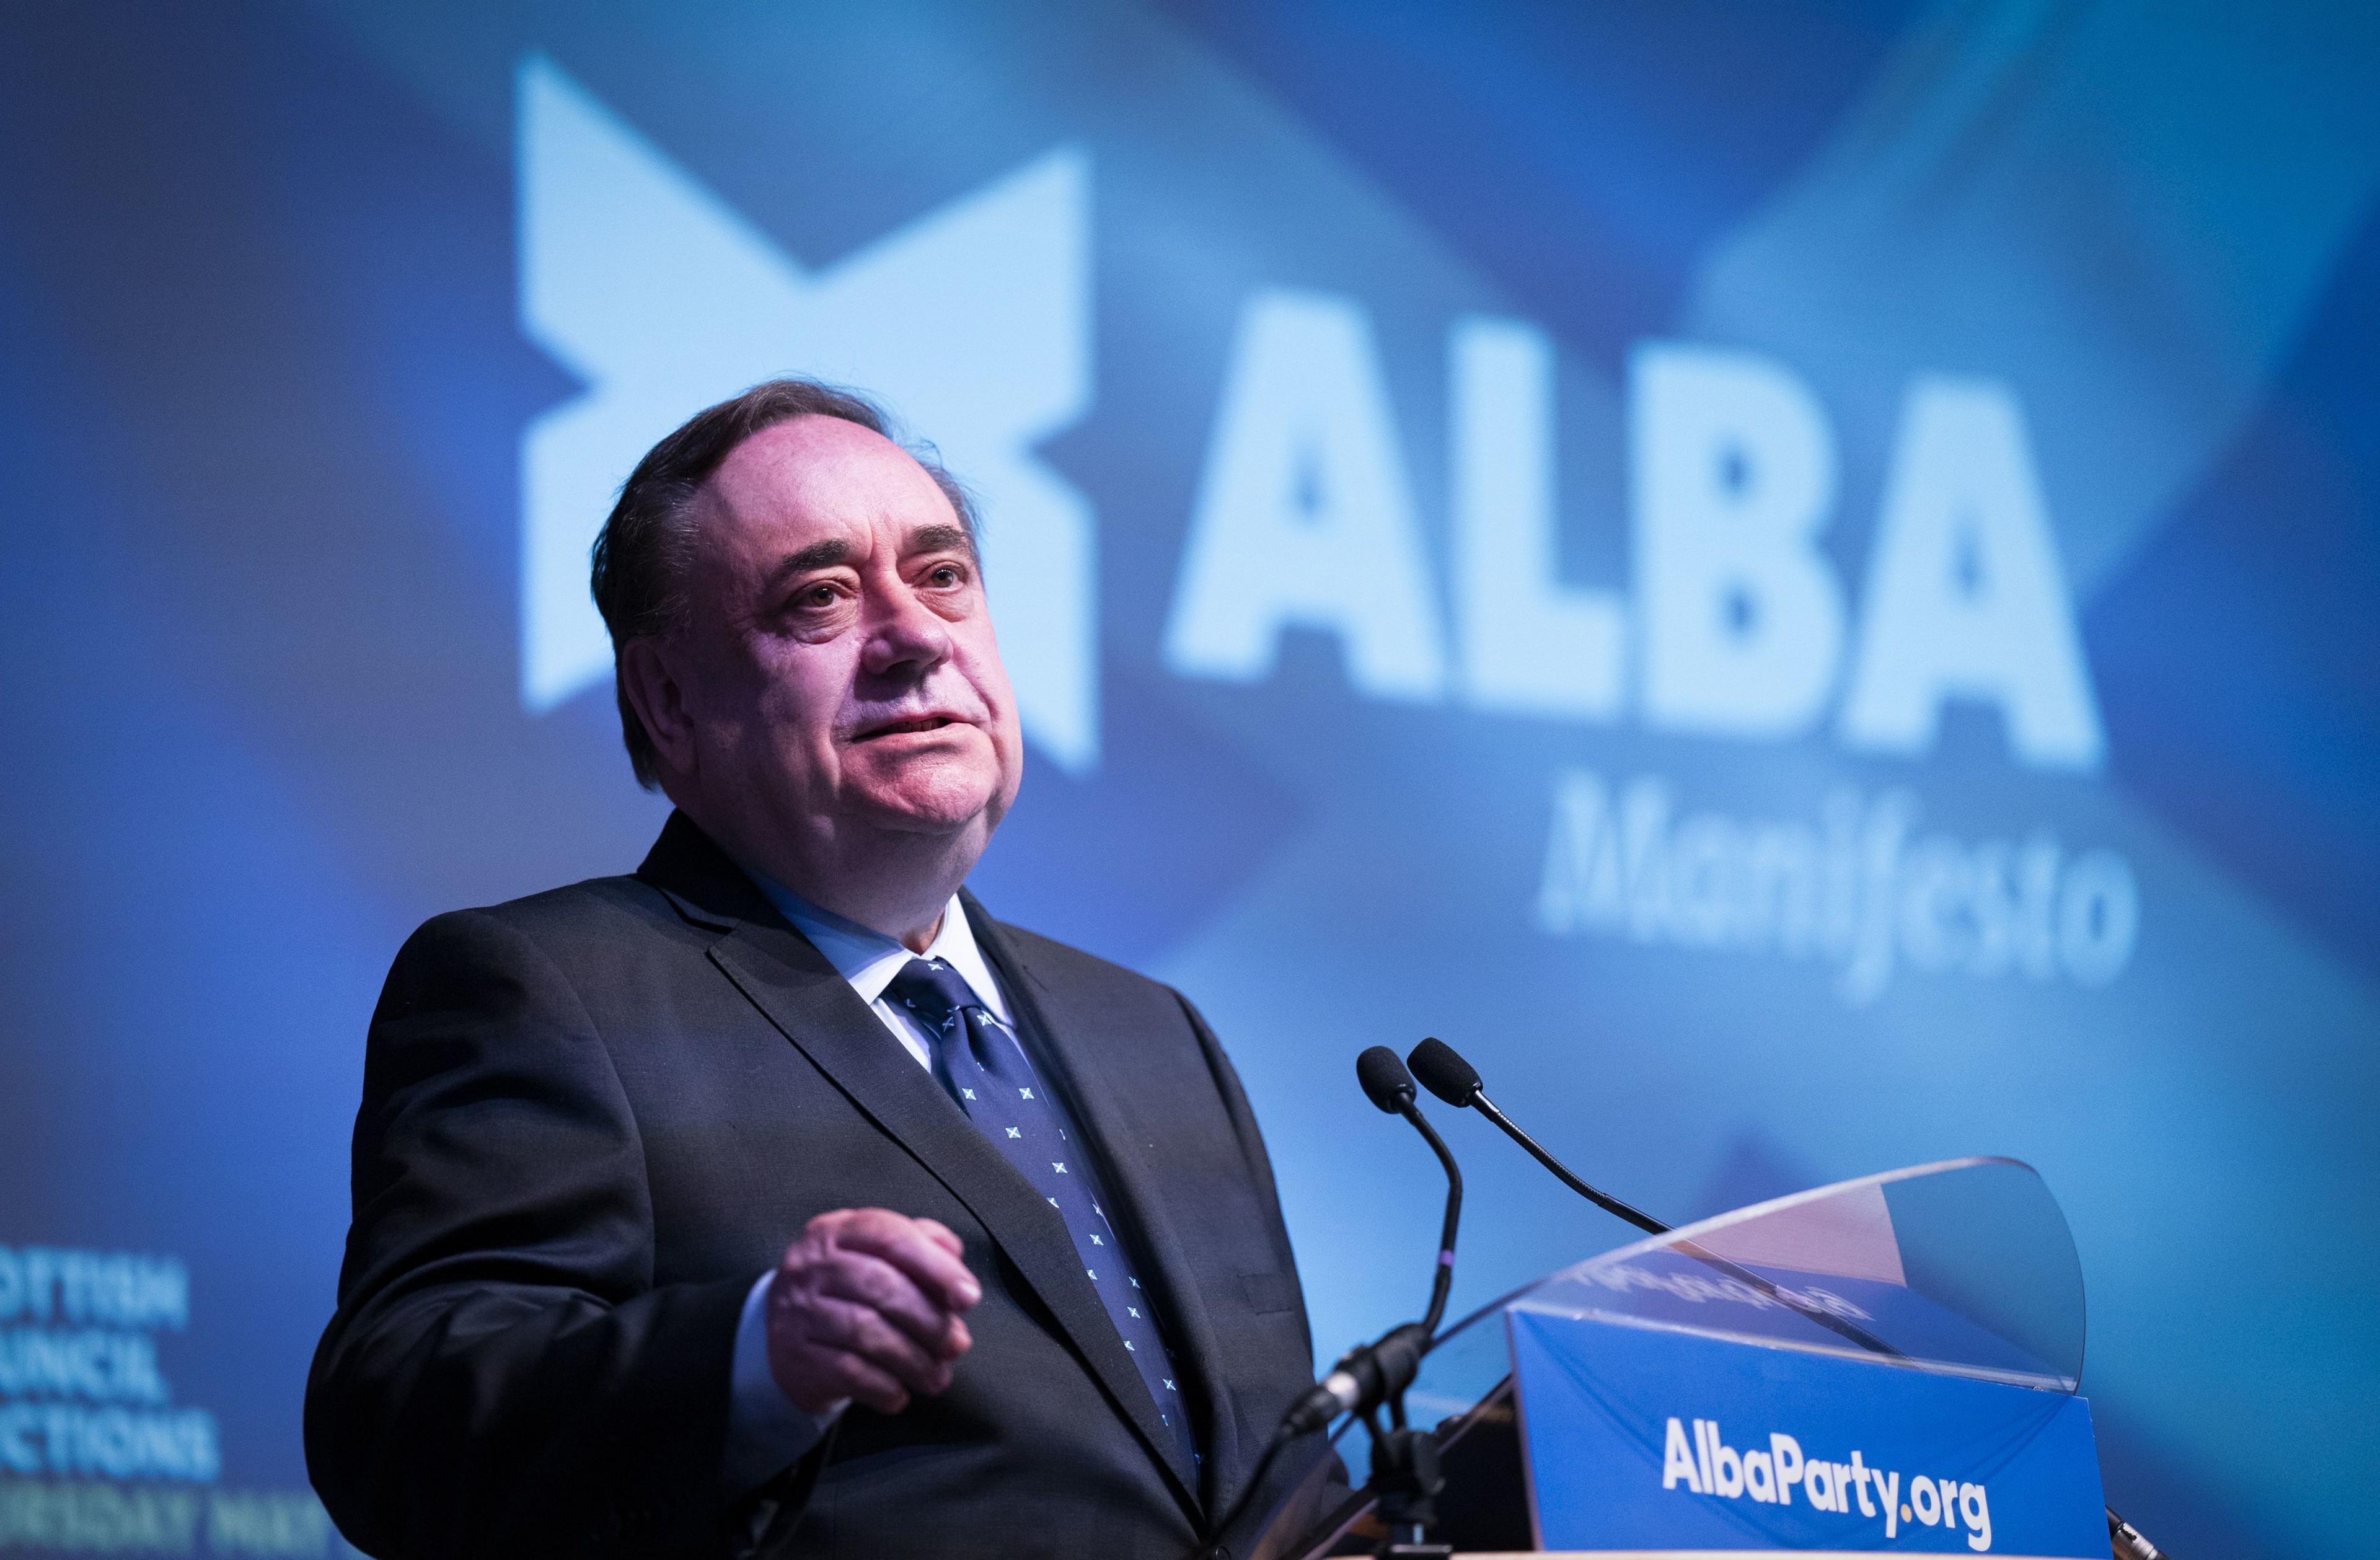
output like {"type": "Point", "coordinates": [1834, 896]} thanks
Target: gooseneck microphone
{"type": "Point", "coordinates": [1389, 1086]}
{"type": "Point", "coordinates": [1445, 1074]}
{"type": "Point", "coordinates": [1377, 1373]}
{"type": "Point", "coordinates": [1380, 1371]}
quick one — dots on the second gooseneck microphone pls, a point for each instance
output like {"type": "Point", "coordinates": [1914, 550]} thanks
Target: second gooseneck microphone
{"type": "Point", "coordinates": [1445, 1074]}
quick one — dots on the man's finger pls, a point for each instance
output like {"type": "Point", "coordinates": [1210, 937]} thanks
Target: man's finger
{"type": "Point", "coordinates": [857, 1329]}
{"type": "Point", "coordinates": [871, 1281]}
{"type": "Point", "coordinates": [903, 1242]}
{"type": "Point", "coordinates": [862, 1383]}
{"type": "Point", "coordinates": [940, 1234]}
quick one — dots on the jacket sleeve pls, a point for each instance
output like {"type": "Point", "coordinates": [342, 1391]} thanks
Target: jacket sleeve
{"type": "Point", "coordinates": [502, 1376]}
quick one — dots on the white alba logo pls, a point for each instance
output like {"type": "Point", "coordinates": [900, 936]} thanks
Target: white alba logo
{"type": "Point", "coordinates": [972, 321]}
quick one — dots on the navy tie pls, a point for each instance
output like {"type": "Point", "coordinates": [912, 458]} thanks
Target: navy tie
{"type": "Point", "coordinates": [987, 1071]}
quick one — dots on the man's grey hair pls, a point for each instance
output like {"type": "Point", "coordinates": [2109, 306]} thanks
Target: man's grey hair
{"type": "Point", "coordinates": [641, 555]}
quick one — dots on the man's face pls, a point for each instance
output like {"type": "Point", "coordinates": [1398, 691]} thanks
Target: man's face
{"type": "Point", "coordinates": [837, 668]}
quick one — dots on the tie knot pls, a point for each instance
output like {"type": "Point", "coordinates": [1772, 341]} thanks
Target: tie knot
{"type": "Point", "coordinates": [931, 990]}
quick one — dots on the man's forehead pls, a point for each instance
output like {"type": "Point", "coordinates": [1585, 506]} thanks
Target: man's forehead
{"type": "Point", "coordinates": [817, 458]}
{"type": "Point", "coordinates": [818, 477]}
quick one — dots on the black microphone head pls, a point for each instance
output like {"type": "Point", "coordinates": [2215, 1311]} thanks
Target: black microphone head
{"type": "Point", "coordinates": [1444, 1073]}
{"type": "Point", "coordinates": [1386, 1082]}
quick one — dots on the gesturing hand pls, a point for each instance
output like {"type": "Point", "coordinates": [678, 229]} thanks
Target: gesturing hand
{"type": "Point", "coordinates": [866, 1305]}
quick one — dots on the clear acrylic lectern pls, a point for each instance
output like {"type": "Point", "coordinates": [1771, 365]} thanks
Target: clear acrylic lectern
{"type": "Point", "coordinates": [1960, 1269]}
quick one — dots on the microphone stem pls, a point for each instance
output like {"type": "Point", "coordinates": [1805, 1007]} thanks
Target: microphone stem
{"type": "Point", "coordinates": [1444, 1279]}
{"type": "Point", "coordinates": [1611, 1205]}
{"type": "Point", "coordinates": [1652, 1225]}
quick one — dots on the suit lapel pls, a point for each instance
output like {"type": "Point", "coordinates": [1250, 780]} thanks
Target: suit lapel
{"type": "Point", "coordinates": [1095, 1061]}
{"type": "Point", "coordinates": [804, 996]}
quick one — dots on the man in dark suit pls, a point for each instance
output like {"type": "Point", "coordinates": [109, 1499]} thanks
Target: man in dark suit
{"type": "Point", "coordinates": [776, 1199]}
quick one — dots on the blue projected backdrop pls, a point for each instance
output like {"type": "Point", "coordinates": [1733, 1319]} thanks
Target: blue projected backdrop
{"type": "Point", "coordinates": [1798, 582]}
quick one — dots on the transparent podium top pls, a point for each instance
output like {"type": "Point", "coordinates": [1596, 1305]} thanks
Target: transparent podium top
{"type": "Point", "coordinates": [1966, 1268]}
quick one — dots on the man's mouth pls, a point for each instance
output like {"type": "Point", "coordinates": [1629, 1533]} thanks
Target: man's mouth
{"type": "Point", "coordinates": [905, 726]}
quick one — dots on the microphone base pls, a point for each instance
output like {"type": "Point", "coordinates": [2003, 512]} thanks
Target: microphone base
{"type": "Point", "coordinates": [1406, 1474]}
{"type": "Point", "coordinates": [2127, 1540]}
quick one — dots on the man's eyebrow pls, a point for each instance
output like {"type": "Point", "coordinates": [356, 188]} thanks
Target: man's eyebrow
{"type": "Point", "coordinates": [817, 554]}
{"type": "Point", "coordinates": [940, 538]}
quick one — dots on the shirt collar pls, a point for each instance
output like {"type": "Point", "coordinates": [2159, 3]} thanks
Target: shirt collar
{"type": "Point", "coordinates": [869, 959]}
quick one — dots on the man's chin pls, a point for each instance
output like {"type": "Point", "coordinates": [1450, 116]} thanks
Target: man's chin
{"type": "Point", "coordinates": [932, 804]}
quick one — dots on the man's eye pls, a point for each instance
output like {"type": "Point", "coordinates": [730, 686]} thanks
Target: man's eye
{"type": "Point", "coordinates": [817, 596]}
{"type": "Point", "coordinates": [947, 575]}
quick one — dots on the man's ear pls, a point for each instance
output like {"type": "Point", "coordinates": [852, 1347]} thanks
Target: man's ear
{"type": "Point", "coordinates": [653, 691]}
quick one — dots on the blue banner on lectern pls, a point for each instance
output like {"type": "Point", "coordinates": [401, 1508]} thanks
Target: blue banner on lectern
{"type": "Point", "coordinates": [1643, 1438]}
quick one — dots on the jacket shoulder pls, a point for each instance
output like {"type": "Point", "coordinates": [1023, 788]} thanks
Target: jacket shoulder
{"type": "Point", "coordinates": [593, 902]}
{"type": "Point", "coordinates": [577, 927]}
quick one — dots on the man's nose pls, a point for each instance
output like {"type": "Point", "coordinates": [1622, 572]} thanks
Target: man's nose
{"type": "Point", "coordinates": [906, 635]}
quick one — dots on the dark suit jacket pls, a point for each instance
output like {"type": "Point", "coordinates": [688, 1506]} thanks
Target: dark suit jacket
{"type": "Point", "coordinates": [594, 1117]}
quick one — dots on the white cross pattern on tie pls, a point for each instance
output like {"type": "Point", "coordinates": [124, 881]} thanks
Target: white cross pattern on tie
{"type": "Point", "coordinates": [1014, 1133]}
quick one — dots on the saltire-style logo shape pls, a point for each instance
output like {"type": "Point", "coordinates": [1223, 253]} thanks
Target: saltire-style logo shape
{"type": "Point", "coordinates": [973, 323]}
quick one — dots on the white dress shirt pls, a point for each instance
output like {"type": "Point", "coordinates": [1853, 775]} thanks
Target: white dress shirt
{"type": "Point", "coordinates": [765, 1431]}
